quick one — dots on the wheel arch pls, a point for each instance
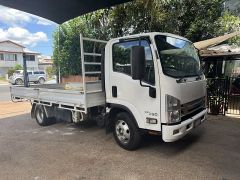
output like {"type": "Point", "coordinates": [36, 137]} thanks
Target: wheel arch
{"type": "Point", "coordinates": [41, 77]}
{"type": "Point", "coordinates": [18, 78]}
{"type": "Point", "coordinates": [116, 108]}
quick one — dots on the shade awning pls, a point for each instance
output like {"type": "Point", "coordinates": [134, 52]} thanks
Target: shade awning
{"type": "Point", "coordinates": [215, 41]}
{"type": "Point", "coordinates": [59, 11]}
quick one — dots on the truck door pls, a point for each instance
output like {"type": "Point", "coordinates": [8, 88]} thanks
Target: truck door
{"type": "Point", "coordinates": [125, 91]}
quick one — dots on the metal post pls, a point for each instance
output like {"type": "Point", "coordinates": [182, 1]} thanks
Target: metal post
{"type": "Point", "coordinates": [26, 84]}
{"type": "Point", "coordinates": [58, 55]}
{"type": "Point", "coordinates": [83, 69]}
{"type": "Point", "coordinates": [59, 74]}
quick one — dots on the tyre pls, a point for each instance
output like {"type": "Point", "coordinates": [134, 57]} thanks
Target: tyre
{"type": "Point", "coordinates": [18, 81]}
{"type": "Point", "coordinates": [125, 132]}
{"type": "Point", "coordinates": [41, 80]}
{"type": "Point", "coordinates": [41, 117]}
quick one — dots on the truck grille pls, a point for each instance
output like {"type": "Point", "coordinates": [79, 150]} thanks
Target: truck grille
{"type": "Point", "coordinates": [192, 108]}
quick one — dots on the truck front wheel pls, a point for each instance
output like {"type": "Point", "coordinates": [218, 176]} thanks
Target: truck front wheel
{"type": "Point", "coordinates": [126, 132]}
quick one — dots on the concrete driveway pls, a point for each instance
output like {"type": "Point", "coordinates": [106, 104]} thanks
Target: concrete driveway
{"type": "Point", "coordinates": [9, 109]}
{"type": "Point", "coordinates": [5, 92]}
{"type": "Point", "coordinates": [66, 151]}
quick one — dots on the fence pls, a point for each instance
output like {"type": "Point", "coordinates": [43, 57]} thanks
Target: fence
{"type": "Point", "coordinates": [223, 95]}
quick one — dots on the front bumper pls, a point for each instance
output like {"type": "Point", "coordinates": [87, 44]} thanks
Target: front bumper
{"type": "Point", "coordinates": [171, 133]}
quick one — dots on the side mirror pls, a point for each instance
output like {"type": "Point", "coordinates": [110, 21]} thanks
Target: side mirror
{"type": "Point", "coordinates": [138, 62]}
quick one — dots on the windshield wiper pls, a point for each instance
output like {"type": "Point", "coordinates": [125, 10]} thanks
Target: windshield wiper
{"type": "Point", "coordinates": [181, 80]}
{"type": "Point", "coordinates": [198, 77]}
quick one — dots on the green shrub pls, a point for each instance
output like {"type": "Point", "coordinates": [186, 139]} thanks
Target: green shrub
{"type": "Point", "coordinates": [15, 68]}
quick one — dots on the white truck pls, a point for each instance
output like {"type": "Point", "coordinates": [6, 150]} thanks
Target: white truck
{"type": "Point", "coordinates": [150, 83]}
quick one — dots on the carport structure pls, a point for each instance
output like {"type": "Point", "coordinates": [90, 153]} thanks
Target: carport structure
{"type": "Point", "coordinates": [60, 11]}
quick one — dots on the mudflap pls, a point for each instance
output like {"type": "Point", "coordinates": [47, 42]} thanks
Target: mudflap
{"type": "Point", "coordinates": [33, 110]}
{"type": "Point", "coordinates": [108, 124]}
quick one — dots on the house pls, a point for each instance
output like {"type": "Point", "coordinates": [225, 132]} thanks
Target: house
{"type": "Point", "coordinates": [11, 54]}
{"type": "Point", "coordinates": [44, 62]}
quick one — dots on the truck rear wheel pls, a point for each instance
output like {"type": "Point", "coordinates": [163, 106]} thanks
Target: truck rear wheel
{"type": "Point", "coordinates": [126, 132]}
{"type": "Point", "coordinates": [41, 117]}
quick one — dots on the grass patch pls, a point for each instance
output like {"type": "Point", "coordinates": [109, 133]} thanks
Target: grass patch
{"type": "Point", "coordinates": [2, 78]}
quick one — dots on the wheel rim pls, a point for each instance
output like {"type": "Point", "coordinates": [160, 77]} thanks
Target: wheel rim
{"type": "Point", "coordinates": [41, 81]}
{"type": "Point", "coordinates": [19, 81]}
{"type": "Point", "coordinates": [40, 115]}
{"type": "Point", "coordinates": [122, 131]}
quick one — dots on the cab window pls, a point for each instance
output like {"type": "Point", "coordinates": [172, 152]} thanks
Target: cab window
{"type": "Point", "coordinates": [122, 63]}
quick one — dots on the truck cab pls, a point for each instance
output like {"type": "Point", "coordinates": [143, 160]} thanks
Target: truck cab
{"type": "Point", "coordinates": [169, 97]}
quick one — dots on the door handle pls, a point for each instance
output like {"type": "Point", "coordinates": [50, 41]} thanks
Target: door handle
{"type": "Point", "coordinates": [114, 91]}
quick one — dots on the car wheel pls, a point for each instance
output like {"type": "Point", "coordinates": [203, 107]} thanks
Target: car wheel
{"type": "Point", "coordinates": [126, 133]}
{"type": "Point", "coordinates": [18, 81]}
{"type": "Point", "coordinates": [41, 80]}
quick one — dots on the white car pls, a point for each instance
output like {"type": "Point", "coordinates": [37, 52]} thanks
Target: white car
{"type": "Point", "coordinates": [38, 77]}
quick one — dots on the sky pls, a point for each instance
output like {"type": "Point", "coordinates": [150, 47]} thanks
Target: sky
{"type": "Point", "coordinates": [33, 32]}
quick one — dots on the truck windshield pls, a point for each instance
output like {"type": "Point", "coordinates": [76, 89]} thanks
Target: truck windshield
{"type": "Point", "coordinates": [178, 57]}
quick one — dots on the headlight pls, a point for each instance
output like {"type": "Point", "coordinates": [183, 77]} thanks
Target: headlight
{"type": "Point", "coordinates": [173, 109]}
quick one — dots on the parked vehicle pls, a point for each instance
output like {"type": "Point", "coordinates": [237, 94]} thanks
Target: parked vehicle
{"type": "Point", "coordinates": [38, 77]}
{"type": "Point", "coordinates": [150, 83]}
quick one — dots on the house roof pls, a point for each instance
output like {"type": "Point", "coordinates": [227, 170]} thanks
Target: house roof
{"type": "Point", "coordinates": [23, 50]}
{"type": "Point", "coordinates": [223, 50]}
{"type": "Point", "coordinates": [60, 11]}
{"type": "Point", "coordinates": [27, 51]}
{"type": "Point", "coordinates": [212, 53]}
{"type": "Point", "coordinates": [226, 48]}
{"type": "Point", "coordinates": [12, 43]}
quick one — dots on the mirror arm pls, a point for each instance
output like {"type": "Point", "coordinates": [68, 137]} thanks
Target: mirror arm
{"type": "Point", "coordinates": [152, 90]}
{"type": "Point", "coordinates": [143, 84]}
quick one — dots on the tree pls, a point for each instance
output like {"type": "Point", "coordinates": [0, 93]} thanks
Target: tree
{"type": "Point", "coordinates": [195, 19]}
{"type": "Point", "coordinates": [50, 71]}
{"type": "Point", "coordinates": [229, 23]}
{"type": "Point", "coordinates": [66, 54]}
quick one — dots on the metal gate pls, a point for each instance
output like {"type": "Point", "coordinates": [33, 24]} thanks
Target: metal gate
{"type": "Point", "coordinates": [223, 95]}
{"type": "Point", "coordinates": [217, 100]}
{"type": "Point", "coordinates": [233, 95]}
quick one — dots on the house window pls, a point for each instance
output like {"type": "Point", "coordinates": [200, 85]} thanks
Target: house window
{"type": "Point", "coordinates": [1, 57]}
{"type": "Point", "coordinates": [30, 57]}
{"type": "Point", "coordinates": [10, 57]}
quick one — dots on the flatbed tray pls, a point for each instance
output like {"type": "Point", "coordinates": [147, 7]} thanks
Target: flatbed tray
{"type": "Point", "coordinates": [65, 95]}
